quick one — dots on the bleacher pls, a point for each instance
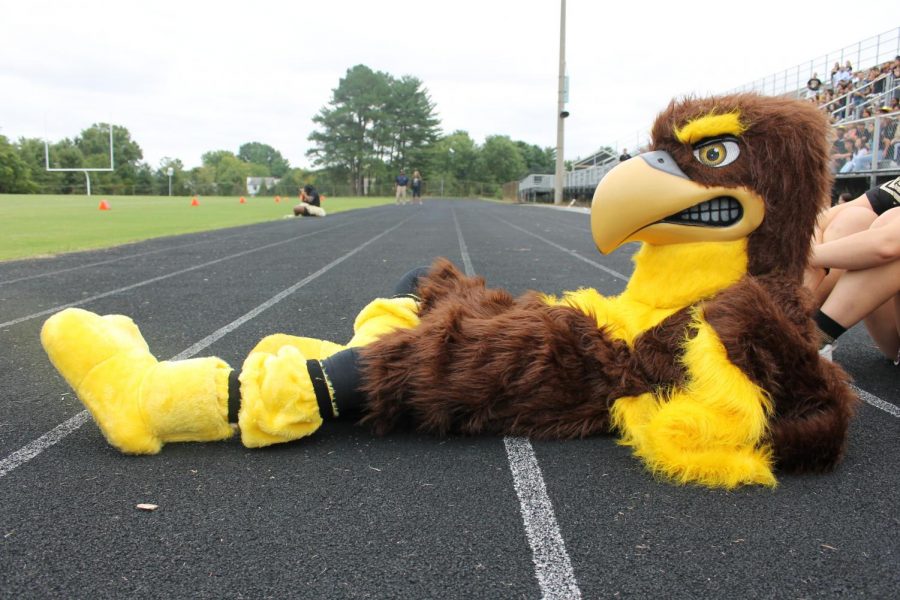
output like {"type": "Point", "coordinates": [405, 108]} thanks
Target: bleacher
{"type": "Point", "coordinates": [863, 107]}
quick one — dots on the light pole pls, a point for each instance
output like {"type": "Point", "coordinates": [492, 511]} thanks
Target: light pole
{"type": "Point", "coordinates": [561, 112]}
{"type": "Point", "coordinates": [170, 172]}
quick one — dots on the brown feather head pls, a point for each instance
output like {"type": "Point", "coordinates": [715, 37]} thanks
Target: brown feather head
{"type": "Point", "coordinates": [784, 157]}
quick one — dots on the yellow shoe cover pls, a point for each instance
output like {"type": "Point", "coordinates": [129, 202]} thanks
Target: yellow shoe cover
{"type": "Point", "coordinates": [278, 403]}
{"type": "Point", "coordinates": [138, 402]}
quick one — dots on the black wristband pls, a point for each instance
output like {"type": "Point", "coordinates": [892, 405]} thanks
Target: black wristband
{"type": "Point", "coordinates": [341, 371]}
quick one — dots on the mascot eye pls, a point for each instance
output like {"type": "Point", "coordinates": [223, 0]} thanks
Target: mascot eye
{"type": "Point", "coordinates": [717, 153]}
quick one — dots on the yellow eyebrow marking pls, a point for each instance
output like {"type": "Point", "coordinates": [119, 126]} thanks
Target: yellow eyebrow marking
{"type": "Point", "coordinates": [709, 126]}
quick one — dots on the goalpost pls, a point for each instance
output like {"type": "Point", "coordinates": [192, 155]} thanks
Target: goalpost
{"type": "Point", "coordinates": [87, 172]}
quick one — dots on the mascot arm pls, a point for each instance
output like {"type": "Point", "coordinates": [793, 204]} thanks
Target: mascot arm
{"type": "Point", "coordinates": [486, 363]}
{"type": "Point", "coordinates": [765, 328]}
{"type": "Point", "coordinates": [710, 429]}
{"type": "Point", "coordinates": [377, 318]}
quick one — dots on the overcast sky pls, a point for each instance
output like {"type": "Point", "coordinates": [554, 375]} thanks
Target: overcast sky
{"type": "Point", "coordinates": [193, 76]}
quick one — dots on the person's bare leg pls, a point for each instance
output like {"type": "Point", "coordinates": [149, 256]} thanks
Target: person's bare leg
{"type": "Point", "coordinates": [872, 294]}
{"type": "Point", "coordinates": [884, 327]}
{"type": "Point", "coordinates": [849, 221]}
{"type": "Point", "coordinates": [859, 293]}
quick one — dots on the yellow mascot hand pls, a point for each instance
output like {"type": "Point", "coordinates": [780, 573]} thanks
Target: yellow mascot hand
{"type": "Point", "coordinates": [311, 348]}
{"type": "Point", "coordinates": [712, 431]}
{"type": "Point", "coordinates": [382, 316]}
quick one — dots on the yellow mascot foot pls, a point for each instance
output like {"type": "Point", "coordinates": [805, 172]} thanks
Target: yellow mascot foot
{"type": "Point", "coordinates": [138, 402]}
{"type": "Point", "coordinates": [278, 402]}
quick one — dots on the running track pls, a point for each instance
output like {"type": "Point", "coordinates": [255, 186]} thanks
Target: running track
{"type": "Point", "coordinates": [345, 514]}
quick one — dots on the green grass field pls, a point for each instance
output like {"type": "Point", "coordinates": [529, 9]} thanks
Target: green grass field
{"type": "Point", "coordinates": [44, 225]}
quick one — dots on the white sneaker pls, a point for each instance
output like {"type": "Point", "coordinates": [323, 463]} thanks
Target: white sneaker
{"type": "Point", "coordinates": [826, 351]}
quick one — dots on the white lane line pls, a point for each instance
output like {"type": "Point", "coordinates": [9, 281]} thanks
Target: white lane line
{"type": "Point", "coordinates": [467, 262]}
{"type": "Point", "coordinates": [32, 449]}
{"type": "Point", "coordinates": [161, 277]}
{"type": "Point", "coordinates": [568, 251]}
{"type": "Point", "coordinates": [552, 566]}
{"type": "Point", "coordinates": [208, 340]}
{"type": "Point", "coordinates": [117, 259]}
{"type": "Point", "coordinates": [877, 402]}
{"type": "Point", "coordinates": [864, 395]}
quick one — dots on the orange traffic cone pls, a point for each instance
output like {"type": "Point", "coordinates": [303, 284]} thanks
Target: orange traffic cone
{"type": "Point", "coordinates": [195, 202]}
{"type": "Point", "coordinates": [104, 205]}
{"type": "Point", "coordinates": [243, 201]}
{"type": "Point", "coordinates": [277, 198]}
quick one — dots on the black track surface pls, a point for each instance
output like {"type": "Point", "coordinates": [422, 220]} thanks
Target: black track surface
{"type": "Point", "coordinates": [345, 514]}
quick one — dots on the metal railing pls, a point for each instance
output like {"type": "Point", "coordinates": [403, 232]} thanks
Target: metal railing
{"type": "Point", "coordinates": [865, 54]}
{"type": "Point", "coordinates": [868, 146]}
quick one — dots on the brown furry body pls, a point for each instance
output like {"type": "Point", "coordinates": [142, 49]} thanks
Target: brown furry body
{"type": "Point", "coordinates": [483, 362]}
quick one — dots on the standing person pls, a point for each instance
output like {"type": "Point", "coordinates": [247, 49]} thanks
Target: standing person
{"type": "Point", "coordinates": [416, 188]}
{"type": "Point", "coordinates": [854, 269]}
{"type": "Point", "coordinates": [401, 182]}
{"type": "Point", "coordinates": [310, 203]}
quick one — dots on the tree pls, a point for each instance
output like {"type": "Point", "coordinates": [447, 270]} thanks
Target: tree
{"type": "Point", "coordinates": [15, 175]}
{"type": "Point", "coordinates": [180, 178]}
{"type": "Point", "coordinates": [291, 182]}
{"type": "Point", "coordinates": [263, 154]}
{"type": "Point", "coordinates": [66, 155]}
{"type": "Point", "coordinates": [410, 124]}
{"type": "Point", "coordinates": [93, 143]}
{"type": "Point", "coordinates": [500, 160]}
{"type": "Point", "coordinates": [537, 159]}
{"type": "Point", "coordinates": [373, 126]}
{"type": "Point", "coordinates": [453, 158]}
{"type": "Point", "coordinates": [345, 142]}
{"type": "Point", "coordinates": [31, 151]}
{"type": "Point", "coordinates": [228, 171]}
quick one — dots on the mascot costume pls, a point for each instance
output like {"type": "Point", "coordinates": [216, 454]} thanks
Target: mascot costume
{"type": "Point", "coordinates": [706, 365]}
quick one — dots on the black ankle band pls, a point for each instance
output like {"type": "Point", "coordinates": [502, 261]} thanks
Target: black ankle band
{"type": "Point", "coordinates": [342, 372]}
{"type": "Point", "coordinates": [327, 408]}
{"type": "Point", "coordinates": [828, 326]}
{"type": "Point", "coordinates": [234, 396]}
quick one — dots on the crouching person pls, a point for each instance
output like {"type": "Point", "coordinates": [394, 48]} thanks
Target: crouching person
{"type": "Point", "coordinates": [310, 203]}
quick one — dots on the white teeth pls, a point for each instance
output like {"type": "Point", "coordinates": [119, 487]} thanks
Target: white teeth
{"type": "Point", "coordinates": [721, 211]}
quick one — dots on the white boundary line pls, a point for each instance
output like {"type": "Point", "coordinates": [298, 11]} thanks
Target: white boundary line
{"type": "Point", "coordinates": [33, 449]}
{"type": "Point", "coordinates": [161, 277]}
{"type": "Point", "coordinates": [552, 566]}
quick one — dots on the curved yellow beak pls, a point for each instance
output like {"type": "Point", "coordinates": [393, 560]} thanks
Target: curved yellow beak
{"type": "Point", "coordinates": [649, 199]}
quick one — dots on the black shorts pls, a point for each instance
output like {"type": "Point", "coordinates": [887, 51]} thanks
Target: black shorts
{"type": "Point", "coordinates": [885, 197]}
